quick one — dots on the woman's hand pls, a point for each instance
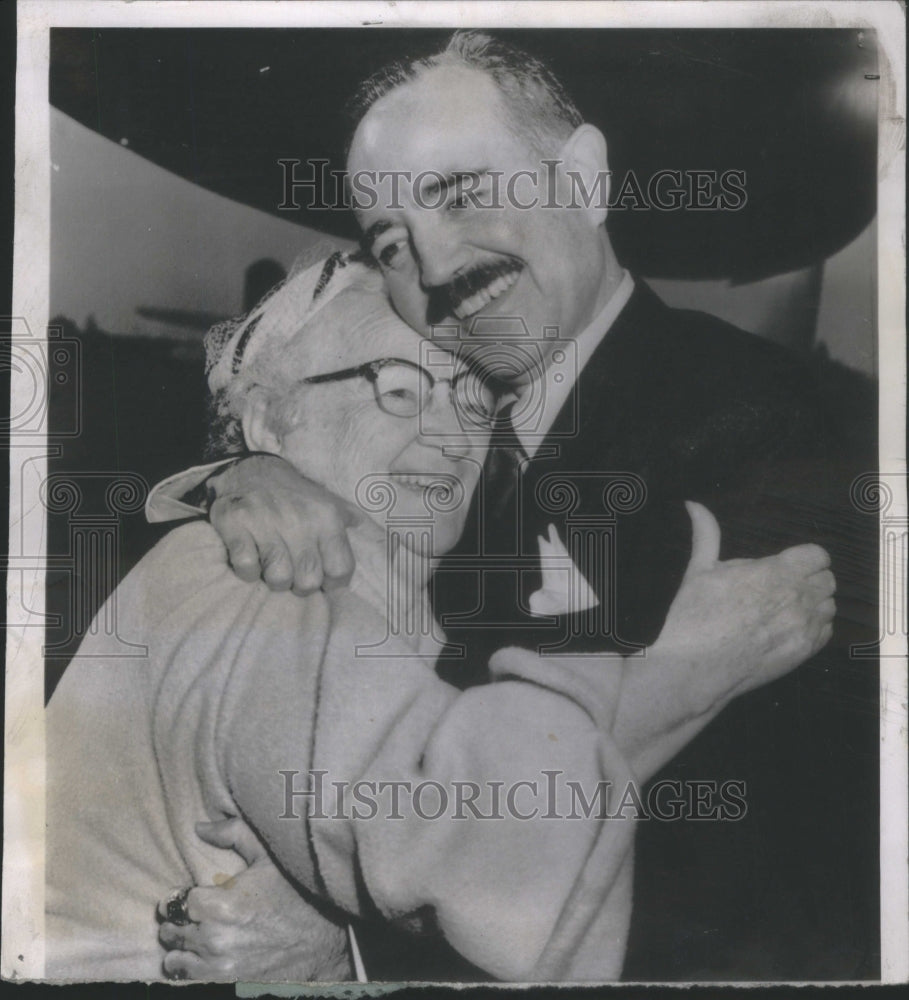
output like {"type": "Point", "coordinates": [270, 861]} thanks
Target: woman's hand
{"type": "Point", "coordinates": [733, 626]}
{"type": "Point", "coordinates": [736, 625]}
{"type": "Point", "coordinates": [255, 926]}
{"type": "Point", "coordinates": [280, 526]}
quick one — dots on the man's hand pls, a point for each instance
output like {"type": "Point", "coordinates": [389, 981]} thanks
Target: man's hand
{"type": "Point", "coordinates": [733, 626]}
{"type": "Point", "coordinates": [280, 526]}
{"type": "Point", "coordinates": [736, 625]}
{"type": "Point", "coordinates": [255, 927]}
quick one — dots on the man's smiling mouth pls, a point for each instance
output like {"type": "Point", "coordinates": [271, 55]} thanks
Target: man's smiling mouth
{"type": "Point", "coordinates": [469, 293]}
{"type": "Point", "coordinates": [467, 307]}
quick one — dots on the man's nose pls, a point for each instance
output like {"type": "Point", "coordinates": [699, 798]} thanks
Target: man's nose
{"type": "Point", "coordinates": [439, 255]}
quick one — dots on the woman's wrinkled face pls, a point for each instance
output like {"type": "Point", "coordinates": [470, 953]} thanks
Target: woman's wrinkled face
{"type": "Point", "coordinates": [335, 433]}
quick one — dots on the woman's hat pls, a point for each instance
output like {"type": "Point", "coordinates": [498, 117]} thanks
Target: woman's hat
{"type": "Point", "coordinates": [232, 346]}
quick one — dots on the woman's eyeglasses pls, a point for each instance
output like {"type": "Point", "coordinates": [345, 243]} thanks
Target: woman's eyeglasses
{"type": "Point", "coordinates": [403, 388]}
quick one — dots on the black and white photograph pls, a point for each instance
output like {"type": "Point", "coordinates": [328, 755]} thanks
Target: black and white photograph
{"type": "Point", "coordinates": [457, 495]}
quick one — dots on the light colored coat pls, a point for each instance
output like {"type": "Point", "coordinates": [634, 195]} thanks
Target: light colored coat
{"type": "Point", "coordinates": [239, 684]}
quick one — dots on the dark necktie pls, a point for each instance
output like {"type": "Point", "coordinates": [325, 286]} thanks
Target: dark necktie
{"type": "Point", "coordinates": [503, 466]}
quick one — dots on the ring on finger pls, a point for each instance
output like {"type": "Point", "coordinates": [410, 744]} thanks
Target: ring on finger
{"type": "Point", "coordinates": [176, 908]}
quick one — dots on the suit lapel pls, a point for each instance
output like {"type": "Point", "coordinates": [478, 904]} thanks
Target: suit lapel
{"type": "Point", "coordinates": [581, 448]}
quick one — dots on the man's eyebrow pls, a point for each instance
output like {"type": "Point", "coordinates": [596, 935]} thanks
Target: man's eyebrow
{"type": "Point", "coordinates": [443, 183]}
{"type": "Point", "coordinates": [373, 233]}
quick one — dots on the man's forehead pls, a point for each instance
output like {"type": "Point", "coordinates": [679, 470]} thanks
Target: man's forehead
{"type": "Point", "coordinates": [426, 116]}
{"type": "Point", "coordinates": [451, 88]}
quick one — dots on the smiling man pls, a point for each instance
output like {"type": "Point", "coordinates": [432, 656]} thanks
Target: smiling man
{"type": "Point", "coordinates": [483, 246]}
{"type": "Point", "coordinates": [482, 194]}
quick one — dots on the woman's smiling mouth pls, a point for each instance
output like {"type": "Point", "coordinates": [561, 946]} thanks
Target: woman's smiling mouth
{"type": "Point", "coordinates": [416, 483]}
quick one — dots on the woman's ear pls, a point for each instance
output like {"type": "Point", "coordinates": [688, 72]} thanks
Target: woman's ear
{"type": "Point", "coordinates": [586, 164]}
{"type": "Point", "coordinates": [257, 429]}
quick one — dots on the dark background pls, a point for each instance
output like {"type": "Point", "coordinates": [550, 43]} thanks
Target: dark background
{"type": "Point", "coordinates": [795, 109]}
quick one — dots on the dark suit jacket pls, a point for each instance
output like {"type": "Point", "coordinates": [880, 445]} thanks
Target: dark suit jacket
{"type": "Point", "coordinates": [678, 405]}
{"type": "Point", "coordinates": [672, 406]}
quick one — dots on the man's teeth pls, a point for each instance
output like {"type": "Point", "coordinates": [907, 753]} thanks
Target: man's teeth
{"type": "Point", "coordinates": [485, 295]}
{"type": "Point", "coordinates": [474, 303]}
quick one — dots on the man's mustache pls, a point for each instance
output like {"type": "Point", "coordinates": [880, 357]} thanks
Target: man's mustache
{"type": "Point", "coordinates": [445, 299]}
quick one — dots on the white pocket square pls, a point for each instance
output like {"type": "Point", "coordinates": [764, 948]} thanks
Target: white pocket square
{"type": "Point", "coordinates": [564, 590]}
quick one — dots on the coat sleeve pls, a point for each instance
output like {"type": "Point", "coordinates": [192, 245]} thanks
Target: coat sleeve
{"type": "Point", "coordinates": [454, 812]}
{"type": "Point", "coordinates": [167, 499]}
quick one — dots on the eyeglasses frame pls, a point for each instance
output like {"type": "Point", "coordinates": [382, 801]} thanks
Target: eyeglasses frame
{"type": "Point", "coordinates": [370, 371]}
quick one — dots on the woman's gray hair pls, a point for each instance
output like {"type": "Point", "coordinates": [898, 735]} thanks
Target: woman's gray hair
{"type": "Point", "coordinates": [248, 351]}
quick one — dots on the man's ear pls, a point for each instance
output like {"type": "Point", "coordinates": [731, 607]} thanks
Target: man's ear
{"type": "Point", "coordinates": [257, 429]}
{"type": "Point", "coordinates": [584, 155]}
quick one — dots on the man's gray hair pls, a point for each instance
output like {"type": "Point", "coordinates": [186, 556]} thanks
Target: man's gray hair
{"type": "Point", "coordinates": [539, 108]}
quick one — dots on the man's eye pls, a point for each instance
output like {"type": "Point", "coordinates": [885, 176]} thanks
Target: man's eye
{"type": "Point", "coordinates": [390, 252]}
{"type": "Point", "coordinates": [387, 253]}
{"type": "Point", "coordinates": [468, 193]}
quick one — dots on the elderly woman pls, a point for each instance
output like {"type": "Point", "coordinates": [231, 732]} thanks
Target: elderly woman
{"type": "Point", "coordinates": [319, 724]}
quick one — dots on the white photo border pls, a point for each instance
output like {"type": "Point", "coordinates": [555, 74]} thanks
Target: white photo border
{"type": "Point", "coordinates": [24, 780]}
